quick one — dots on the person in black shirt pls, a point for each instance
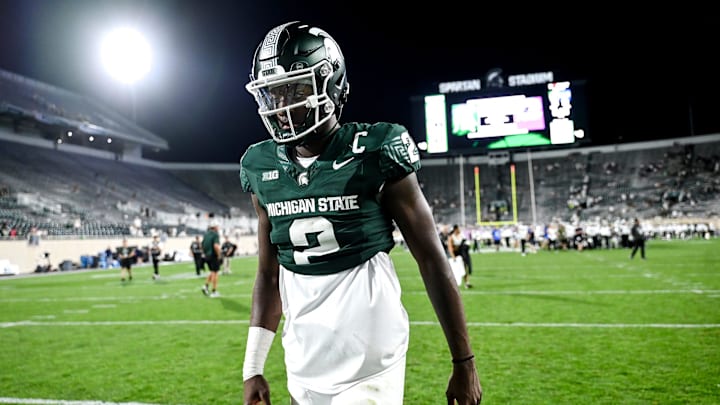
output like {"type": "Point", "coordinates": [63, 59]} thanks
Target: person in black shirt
{"type": "Point", "coordinates": [443, 235]}
{"type": "Point", "coordinates": [196, 251]}
{"type": "Point", "coordinates": [126, 254]}
{"type": "Point", "coordinates": [228, 251]}
{"type": "Point", "coordinates": [213, 258]}
{"type": "Point", "coordinates": [155, 252]}
{"type": "Point", "coordinates": [458, 247]}
{"type": "Point", "coordinates": [638, 241]}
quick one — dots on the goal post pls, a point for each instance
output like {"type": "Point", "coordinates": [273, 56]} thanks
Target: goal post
{"type": "Point", "coordinates": [479, 200]}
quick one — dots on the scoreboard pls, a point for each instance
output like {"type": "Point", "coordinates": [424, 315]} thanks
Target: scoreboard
{"type": "Point", "coordinates": [463, 118]}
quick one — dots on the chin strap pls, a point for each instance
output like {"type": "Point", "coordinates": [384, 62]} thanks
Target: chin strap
{"type": "Point", "coordinates": [315, 136]}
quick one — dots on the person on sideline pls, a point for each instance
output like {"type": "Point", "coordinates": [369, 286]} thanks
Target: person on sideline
{"type": "Point", "coordinates": [497, 238]}
{"type": "Point", "coordinates": [638, 242]}
{"type": "Point", "coordinates": [155, 252]}
{"type": "Point", "coordinates": [228, 251]}
{"type": "Point", "coordinates": [213, 258]}
{"type": "Point", "coordinates": [458, 247]}
{"type": "Point", "coordinates": [126, 254]}
{"type": "Point", "coordinates": [196, 251]}
{"type": "Point", "coordinates": [328, 196]}
{"type": "Point", "coordinates": [443, 234]}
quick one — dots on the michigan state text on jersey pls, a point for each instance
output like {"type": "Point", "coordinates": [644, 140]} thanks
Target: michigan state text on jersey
{"type": "Point", "coordinates": [327, 217]}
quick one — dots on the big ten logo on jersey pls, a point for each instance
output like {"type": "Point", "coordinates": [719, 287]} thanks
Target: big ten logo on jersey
{"type": "Point", "coordinates": [412, 149]}
{"type": "Point", "coordinates": [271, 175]}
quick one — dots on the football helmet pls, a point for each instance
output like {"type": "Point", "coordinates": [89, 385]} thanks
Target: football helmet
{"type": "Point", "coordinates": [298, 80]}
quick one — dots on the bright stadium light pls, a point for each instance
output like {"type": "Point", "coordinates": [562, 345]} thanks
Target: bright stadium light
{"type": "Point", "coordinates": [126, 55]}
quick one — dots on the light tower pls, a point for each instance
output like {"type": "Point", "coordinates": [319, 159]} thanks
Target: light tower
{"type": "Point", "coordinates": [127, 57]}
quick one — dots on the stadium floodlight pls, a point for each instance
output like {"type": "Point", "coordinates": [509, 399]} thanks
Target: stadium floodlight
{"type": "Point", "coordinates": [126, 55]}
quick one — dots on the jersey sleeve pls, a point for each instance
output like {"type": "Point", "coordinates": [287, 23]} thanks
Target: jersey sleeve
{"type": "Point", "coordinates": [246, 171]}
{"type": "Point", "coordinates": [399, 155]}
{"type": "Point", "coordinates": [244, 177]}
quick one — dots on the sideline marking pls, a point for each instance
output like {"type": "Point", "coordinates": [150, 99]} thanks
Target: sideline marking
{"type": "Point", "coordinates": [4, 400]}
{"type": "Point", "coordinates": [415, 323]}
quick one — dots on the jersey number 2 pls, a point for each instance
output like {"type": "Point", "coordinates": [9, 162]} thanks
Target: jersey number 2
{"type": "Point", "coordinates": [314, 237]}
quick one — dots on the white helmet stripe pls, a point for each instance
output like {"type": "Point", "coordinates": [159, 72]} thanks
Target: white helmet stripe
{"type": "Point", "coordinates": [269, 48]}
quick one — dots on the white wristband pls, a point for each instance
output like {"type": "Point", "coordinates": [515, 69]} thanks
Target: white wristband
{"type": "Point", "coordinates": [256, 351]}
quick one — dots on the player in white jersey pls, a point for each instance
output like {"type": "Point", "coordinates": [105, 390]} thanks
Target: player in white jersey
{"type": "Point", "coordinates": [328, 197]}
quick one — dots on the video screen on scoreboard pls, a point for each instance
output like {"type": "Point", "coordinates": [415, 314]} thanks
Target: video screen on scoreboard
{"type": "Point", "coordinates": [546, 115]}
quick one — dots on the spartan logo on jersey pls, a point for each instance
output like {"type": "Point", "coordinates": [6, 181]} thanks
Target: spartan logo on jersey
{"type": "Point", "coordinates": [303, 179]}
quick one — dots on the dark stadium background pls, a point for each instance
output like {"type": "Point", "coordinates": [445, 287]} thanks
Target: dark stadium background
{"type": "Point", "coordinates": [649, 72]}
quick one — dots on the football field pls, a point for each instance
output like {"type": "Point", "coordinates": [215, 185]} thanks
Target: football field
{"type": "Point", "coordinates": [558, 327]}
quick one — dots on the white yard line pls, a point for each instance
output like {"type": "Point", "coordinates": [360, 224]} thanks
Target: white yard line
{"type": "Point", "coordinates": [414, 323]}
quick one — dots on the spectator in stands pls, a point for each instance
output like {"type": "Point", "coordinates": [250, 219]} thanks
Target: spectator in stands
{"type": "Point", "coordinates": [459, 247]}
{"type": "Point", "coordinates": [228, 251]}
{"type": "Point", "coordinates": [126, 254]}
{"type": "Point", "coordinates": [196, 251]}
{"type": "Point", "coordinates": [155, 252]}
{"type": "Point", "coordinates": [34, 237]}
{"type": "Point", "coordinates": [4, 230]}
{"type": "Point", "coordinates": [638, 241]}
{"type": "Point", "coordinates": [213, 257]}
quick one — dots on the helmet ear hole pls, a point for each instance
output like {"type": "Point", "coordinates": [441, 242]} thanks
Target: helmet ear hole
{"type": "Point", "coordinates": [344, 95]}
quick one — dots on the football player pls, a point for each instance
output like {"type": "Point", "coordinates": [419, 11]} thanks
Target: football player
{"type": "Point", "coordinates": [326, 195]}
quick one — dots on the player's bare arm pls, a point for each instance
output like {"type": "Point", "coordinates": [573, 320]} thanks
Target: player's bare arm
{"type": "Point", "coordinates": [266, 307]}
{"type": "Point", "coordinates": [408, 206]}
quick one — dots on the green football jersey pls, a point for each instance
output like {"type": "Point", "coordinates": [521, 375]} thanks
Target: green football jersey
{"type": "Point", "coordinates": [327, 217]}
{"type": "Point", "coordinates": [208, 243]}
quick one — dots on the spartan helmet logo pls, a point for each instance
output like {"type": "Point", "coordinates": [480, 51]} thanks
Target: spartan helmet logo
{"type": "Point", "coordinates": [302, 179]}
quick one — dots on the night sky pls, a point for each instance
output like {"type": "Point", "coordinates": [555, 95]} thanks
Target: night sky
{"type": "Point", "coordinates": [649, 75]}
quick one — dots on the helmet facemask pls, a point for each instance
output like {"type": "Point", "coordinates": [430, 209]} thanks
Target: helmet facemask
{"type": "Point", "coordinates": [293, 104]}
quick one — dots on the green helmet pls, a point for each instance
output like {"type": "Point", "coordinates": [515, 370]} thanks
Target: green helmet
{"type": "Point", "coordinates": [298, 80]}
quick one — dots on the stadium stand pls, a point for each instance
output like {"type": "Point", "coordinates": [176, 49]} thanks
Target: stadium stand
{"type": "Point", "coordinates": [675, 178]}
{"type": "Point", "coordinates": [65, 187]}
{"type": "Point", "coordinates": [53, 111]}
{"type": "Point", "coordinates": [52, 189]}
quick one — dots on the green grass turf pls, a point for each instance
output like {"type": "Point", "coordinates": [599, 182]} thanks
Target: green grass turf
{"type": "Point", "coordinates": [564, 327]}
